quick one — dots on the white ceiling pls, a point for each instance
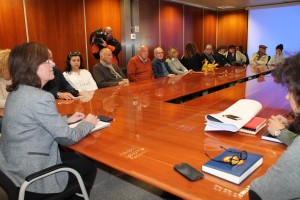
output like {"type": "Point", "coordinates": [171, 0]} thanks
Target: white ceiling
{"type": "Point", "coordinates": [236, 4]}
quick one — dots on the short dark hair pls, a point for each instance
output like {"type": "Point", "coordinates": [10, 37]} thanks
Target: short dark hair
{"type": "Point", "coordinates": [222, 47]}
{"type": "Point", "coordinates": [70, 55]}
{"type": "Point", "coordinates": [23, 62]}
{"type": "Point", "coordinates": [232, 46]}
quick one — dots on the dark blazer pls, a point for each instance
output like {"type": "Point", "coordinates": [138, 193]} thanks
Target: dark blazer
{"type": "Point", "coordinates": [158, 68]}
{"type": "Point", "coordinates": [103, 76]}
{"type": "Point", "coordinates": [59, 84]}
{"type": "Point", "coordinates": [220, 59]}
{"type": "Point", "coordinates": [210, 60]}
{"type": "Point", "coordinates": [195, 62]}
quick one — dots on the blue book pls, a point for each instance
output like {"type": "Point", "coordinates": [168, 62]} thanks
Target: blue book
{"type": "Point", "coordinates": [233, 173]}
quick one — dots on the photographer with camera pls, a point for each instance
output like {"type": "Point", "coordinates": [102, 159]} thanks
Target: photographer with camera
{"type": "Point", "coordinates": [100, 39]}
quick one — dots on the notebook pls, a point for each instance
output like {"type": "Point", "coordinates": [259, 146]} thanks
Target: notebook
{"type": "Point", "coordinates": [98, 126]}
{"type": "Point", "coordinates": [254, 125]}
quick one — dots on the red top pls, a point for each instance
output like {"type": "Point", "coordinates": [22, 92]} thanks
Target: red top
{"type": "Point", "coordinates": [137, 70]}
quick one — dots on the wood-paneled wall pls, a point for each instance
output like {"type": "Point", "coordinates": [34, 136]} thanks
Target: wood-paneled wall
{"type": "Point", "coordinates": [209, 28]}
{"type": "Point", "coordinates": [12, 23]}
{"type": "Point", "coordinates": [65, 26]}
{"type": "Point", "coordinates": [193, 26]}
{"type": "Point", "coordinates": [233, 28]}
{"type": "Point", "coordinates": [171, 26]}
{"type": "Point", "coordinates": [149, 24]}
{"type": "Point", "coordinates": [99, 14]}
{"type": "Point", "coordinates": [60, 25]}
{"type": "Point", "coordinates": [177, 24]}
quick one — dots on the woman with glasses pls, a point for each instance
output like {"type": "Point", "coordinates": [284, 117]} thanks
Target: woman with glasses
{"type": "Point", "coordinates": [32, 128]}
{"type": "Point", "coordinates": [281, 181]}
{"type": "Point", "coordinates": [173, 62]}
{"type": "Point", "coordinates": [78, 77]}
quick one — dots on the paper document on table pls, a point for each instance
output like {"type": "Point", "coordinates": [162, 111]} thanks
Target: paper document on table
{"type": "Point", "coordinates": [98, 126]}
{"type": "Point", "coordinates": [234, 117]}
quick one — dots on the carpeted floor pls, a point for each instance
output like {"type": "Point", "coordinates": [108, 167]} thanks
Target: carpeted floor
{"type": "Point", "coordinates": [114, 185]}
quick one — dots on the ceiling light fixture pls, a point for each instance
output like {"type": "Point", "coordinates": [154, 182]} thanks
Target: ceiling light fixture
{"type": "Point", "coordinates": [225, 7]}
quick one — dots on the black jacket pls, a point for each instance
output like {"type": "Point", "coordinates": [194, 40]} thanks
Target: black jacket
{"type": "Point", "coordinates": [59, 84]}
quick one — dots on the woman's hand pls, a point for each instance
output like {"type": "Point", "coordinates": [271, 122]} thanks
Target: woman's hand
{"type": "Point", "coordinates": [283, 120]}
{"type": "Point", "coordinates": [93, 119]}
{"type": "Point", "coordinates": [274, 124]}
{"type": "Point", "coordinates": [66, 95]}
{"type": "Point", "coordinates": [76, 117]}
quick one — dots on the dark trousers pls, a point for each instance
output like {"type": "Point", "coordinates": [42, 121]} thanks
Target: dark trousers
{"type": "Point", "coordinates": [84, 166]}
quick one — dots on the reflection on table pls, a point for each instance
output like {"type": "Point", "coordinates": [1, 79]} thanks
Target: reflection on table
{"type": "Point", "coordinates": [149, 136]}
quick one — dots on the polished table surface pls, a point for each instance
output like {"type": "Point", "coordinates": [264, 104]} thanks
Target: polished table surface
{"type": "Point", "coordinates": [148, 137]}
{"type": "Point", "coordinates": [180, 86]}
{"type": "Point", "coordinates": [261, 89]}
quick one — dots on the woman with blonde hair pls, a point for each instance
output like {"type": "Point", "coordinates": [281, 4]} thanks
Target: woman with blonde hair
{"type": "Point", "coordinates": [173, 62]}
{"type": "Point", "coordinates": [5, 78]}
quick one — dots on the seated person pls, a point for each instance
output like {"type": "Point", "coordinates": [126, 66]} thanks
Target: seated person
{"type": "Point", "coordinates": [278, 58]}
{"type": "Point", "coordinates": [219, 56]}
{"type": "Point", "coordinates": [78, 77]}
{"type": "Point", "coordinates": [260, 57]}
{"type": "Point", "coordinates": [139, 67]}
{"type": "Point", "coordinates": [240, 49]}
{"type": "Point", "coordinates": [191, 58]}
{"type": "Point", "coordinates": [208, 54]}
{"type": "Point", "coordinates": [159, 66]}
{"type": "Point", "coordinates": [5, 78]}
{"type": "Point", "coordinates": [281, 181]}
{"type": "Point", "coordinates": [59, 86]}
{"type": "Point", "coordinates": [34, 129]}
{"type": "Point", "coordinates": [106, 73]}
{"type": "Point", "coordinates": [235, 58]}
{"type": "Point", "coordinates": [175, 65]}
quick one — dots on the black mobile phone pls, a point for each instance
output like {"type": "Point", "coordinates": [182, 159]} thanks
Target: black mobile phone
{"type": "Point", "coordinates": [188, 171]}
{"type": "Point", "coordinates": [105, 118]}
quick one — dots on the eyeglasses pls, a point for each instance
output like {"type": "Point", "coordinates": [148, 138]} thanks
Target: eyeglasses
{"type": "Point", "coordinates": [232, 160]}
{"type": "Point", "coordinates": [47, 62]}
{"type": "Point", "coordinates": [74, 54]}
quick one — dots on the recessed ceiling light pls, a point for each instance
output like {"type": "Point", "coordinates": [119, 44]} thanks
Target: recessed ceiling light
{"type": "Point", "coordinates": [225, 7]}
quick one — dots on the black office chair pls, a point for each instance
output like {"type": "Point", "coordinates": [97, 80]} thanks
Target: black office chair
{"type": "Point", "coordinates": [9, 191]}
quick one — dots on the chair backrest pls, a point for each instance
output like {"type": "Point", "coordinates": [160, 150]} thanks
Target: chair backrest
{"type": "Point", "coordinates": [8, 188]}
{"type": "Point", "coordinates": [3, 194]}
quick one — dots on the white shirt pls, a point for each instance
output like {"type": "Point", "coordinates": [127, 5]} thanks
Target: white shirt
{"type": "Point", "coordinates": [82, 81]}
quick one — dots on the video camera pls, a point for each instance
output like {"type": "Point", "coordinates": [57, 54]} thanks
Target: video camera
{"type": "Point", "coordinates": [96, 36]}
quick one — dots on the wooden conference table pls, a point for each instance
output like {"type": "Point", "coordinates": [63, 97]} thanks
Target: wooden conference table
{"type": "Point", "coordinates": [148, 137]}
{"type": "Point", "coordinates": [178, 88]}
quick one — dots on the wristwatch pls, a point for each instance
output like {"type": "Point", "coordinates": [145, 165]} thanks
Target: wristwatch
{"type": "Point", "coordinates": [277, 132]}
{"type": "Point", "coordinates": [58, 95]}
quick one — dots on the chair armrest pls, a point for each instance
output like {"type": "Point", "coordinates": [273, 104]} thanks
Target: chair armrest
{"type": "Point", "coordinates": [49, 171]}
{"type": "Point", "coordinates": [44, 171]}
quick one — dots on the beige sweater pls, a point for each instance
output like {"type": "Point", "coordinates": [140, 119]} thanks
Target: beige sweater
{"type": "Point", "coordinates": [3, 92]}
